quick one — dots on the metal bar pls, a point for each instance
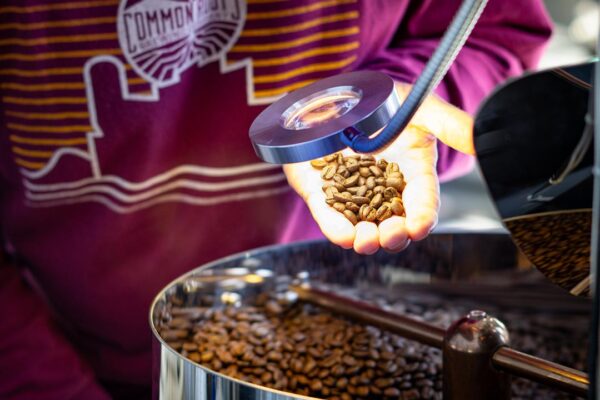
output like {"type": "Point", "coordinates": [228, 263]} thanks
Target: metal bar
{"type": "Point", "coordinates": [512, 361]}
{"type": "Point", "coordinates": [542, 371]}
{"type": "Point", "coordinates": [372, 315]}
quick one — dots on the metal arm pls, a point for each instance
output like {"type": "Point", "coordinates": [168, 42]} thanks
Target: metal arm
{"type": "Point", "coordinates": [434, 71]}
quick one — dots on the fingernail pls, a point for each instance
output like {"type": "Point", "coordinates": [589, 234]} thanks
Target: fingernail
{"type": "Point", "coordinates": [396, 243]}
{"type": "Point", "coordinates": [400, 246]}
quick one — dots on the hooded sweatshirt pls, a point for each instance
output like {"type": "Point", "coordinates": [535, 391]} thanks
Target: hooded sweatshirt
{"type": "Point", "coordinates": [125, 159]}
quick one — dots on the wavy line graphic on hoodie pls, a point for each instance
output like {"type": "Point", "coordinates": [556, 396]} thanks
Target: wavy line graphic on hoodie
{"type": "Point", "coordinates": [234, 183]}
{"type": "Point", "coordinates": [180, 198]}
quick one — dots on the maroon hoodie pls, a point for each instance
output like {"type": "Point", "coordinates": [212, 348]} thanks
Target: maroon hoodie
{"type": "Point", "coordinates": [125, 160]}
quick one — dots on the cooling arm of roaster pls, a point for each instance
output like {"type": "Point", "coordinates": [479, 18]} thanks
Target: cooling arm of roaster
{"type": "Point", "coordinates": [468, 347]}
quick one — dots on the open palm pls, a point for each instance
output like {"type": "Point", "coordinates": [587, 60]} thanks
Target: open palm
{"type": "Point", "coordinates": [415, 151]}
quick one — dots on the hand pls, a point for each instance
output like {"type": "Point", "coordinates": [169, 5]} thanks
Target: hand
{"type": "Point", "coordinates": [415, 152]}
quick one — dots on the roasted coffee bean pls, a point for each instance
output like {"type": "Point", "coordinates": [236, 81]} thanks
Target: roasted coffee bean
{"type": "Point", "coordinates": [337, 178]}
{"type": "Point", "coordinates": [396, 183]}
{"type": "Point", "coordinates": [174, 334]}
{"type": "Point", "coordinates": [342, 197]}
{"type": "Point", "coordinates": [328, 172]}
{"type": "Point", "coordinates": [318, 163]}
{"type": "Point", "coordinates": [364, 172]}
{"type": "Point", "coordinates": [351, 181]}
{"type": "Point", "coordinates": [390, 192]}
{"type": "Point", "coordinates": [397, 206]}
{"type": "Point", "coordinates": [376, 171]}
{"type": "Point", "coordinates": [330, 191]}
{"type": "Point", "coordinates": [376, 200]}
{"type": "Point", "coordinates": [351, 216]}
{"type": "Point", "coordinates": [391, 168]}
{"type": "Point", "coordinates": [340, 206]}
{"type": "Point", "coordinates": [383, 213]}
{"type": "Point", "coordinates": [360, 200]}
{"type": "Point", "coordinates": [391, 392]}
{"type": "Point", "coordinates": [343, 171]}
{"type": "Point", "coordinates": [371, 183]}
{"type": "Point", "coordinates": [331, 157]}
{"type": "Point", "coordinates": [355, 208]}
{"type": "Point", "coordinates": [352, 165]}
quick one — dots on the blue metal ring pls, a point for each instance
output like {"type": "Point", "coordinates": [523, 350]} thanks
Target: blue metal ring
{"type": "Point", "coordinates": [274, 143]}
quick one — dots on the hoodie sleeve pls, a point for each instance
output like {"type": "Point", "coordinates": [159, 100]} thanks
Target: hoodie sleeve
{"type": "Point", "coordinates": [37, 362]}
{"type": "Point", "coordinates": [508, 39]}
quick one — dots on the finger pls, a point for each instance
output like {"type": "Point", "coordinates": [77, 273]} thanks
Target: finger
{"type": "Point", "coordinates": [393, 235]}
{"type": "Point", "coordinates": [367, 238]}
{"type": "Point", "coordinates": [450, 124]}
{"type": "Point", "coordinates": [453, 127]}
{"type": "Point", "coordinates": [421, 198]}
{"type": "Point", "coordinates": [337, 228]}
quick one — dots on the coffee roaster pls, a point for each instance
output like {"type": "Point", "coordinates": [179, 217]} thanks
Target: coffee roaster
{"type": "Point", "coordinates": [535, 148]}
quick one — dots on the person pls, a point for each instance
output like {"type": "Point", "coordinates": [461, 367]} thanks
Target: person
{"type": "Point", "coordinates": [126, 162]}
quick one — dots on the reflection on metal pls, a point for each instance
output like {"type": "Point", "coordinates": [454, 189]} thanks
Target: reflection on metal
{"type": "Point", "coordinates": [448, 259]}
{"type": "Point", "coordinates": [469, 344]}
{"type": "Point", "coordinates": [409, 328]}
{"type": "Point", "coordinates": [542, 371]}
{"type": "Point", "coordinates": [533, 140]}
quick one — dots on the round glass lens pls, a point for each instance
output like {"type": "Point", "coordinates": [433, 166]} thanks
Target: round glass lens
{"type": "Point", "coordinates": [320, 107]}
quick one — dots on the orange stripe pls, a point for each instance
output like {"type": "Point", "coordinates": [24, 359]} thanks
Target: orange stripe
{"type": "Point", "coordinates": [30, 26]}
{"type": "Point", "coordinates": [307, 69]}
{"type": "Point", "coordinates": [282, 90]}
{"type": "Point", "coordinates": [59, 39]}
{"type": "Point", "coordinates": [56, 85]}
{"type": "Point", "coordinates": [296, 42]}
{"type": "Point", "coordinates": [24, 87]}
{"type": "Point", "coordinates": [41, 72]}
{"type": "Point", "coordinates": [49, 129]}
{"type": "Point", "coordinates": [46, 72]}
{"type": "Point", "coordinates": [57, 6]}
{"type": "Point", "coordinates": [29, 164]}
{"type": "Point", "coordinates": [44, 102]}
{"type": "Point", "coordinates": [268, 62]}
{"type": "Point", "coordinates": [32, 153]}
{"type": "Point", "coordinates": [136, 81]}
{"type": "Point", "coordinates": [301, 26]}
{"type": "Point", "coordinates": [59, 55]}
{"type": "Point", "coordinates": [49, 142]}
{"type": "Point", "coordinates": [47, 116]}
{"type": "Point", "coordinates": [298, 10]}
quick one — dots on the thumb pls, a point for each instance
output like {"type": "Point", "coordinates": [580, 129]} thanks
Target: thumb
{"type": "Point", "coordinates": [450, 124]}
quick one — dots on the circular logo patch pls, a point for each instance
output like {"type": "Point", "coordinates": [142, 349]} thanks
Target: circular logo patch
{"type": "Point", "coordinates": [162, 38]}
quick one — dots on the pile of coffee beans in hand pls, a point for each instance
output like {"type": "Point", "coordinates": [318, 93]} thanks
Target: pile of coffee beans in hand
{"type": "Point", "coordinates": [361, 187]}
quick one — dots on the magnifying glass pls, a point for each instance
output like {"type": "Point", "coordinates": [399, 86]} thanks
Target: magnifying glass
{"type": "Point", "coordinates": [346, 110]}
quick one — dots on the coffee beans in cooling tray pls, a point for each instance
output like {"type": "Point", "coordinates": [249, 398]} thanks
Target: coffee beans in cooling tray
{"type": "Point", "coordinates": [361, 187]}
{"type": "Point", "coordinates": [298, 348]}
{"type": "Point", "coordinates": [304, 350]}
